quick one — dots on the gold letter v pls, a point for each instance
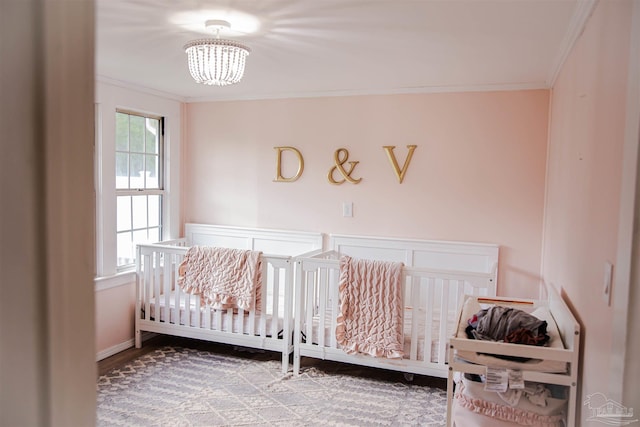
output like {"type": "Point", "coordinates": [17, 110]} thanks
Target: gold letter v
{"type": "Point", "coordinates": [394, 163]}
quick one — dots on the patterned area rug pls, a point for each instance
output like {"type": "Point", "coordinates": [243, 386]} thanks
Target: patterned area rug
{"type": "Point", "coordinates": [176, 386]}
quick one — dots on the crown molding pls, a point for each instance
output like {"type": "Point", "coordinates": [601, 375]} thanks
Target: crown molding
{"type": "Point", "coordinates": [368, 92]}
{"type": "Point", "coordinates": [141, 89]}
{"type": "Point", "coordinates": [581, 15]}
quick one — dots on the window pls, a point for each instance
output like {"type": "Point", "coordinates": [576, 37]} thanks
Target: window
{"type": "Point", "coordinates": [139, 183]}
{"type": "Point", "coordinates": [137, 177]}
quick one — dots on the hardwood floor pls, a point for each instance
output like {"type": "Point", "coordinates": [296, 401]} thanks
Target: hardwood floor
{"type": "Point", "coordinates": [121, 359]}
{"type": "Point", "coordinates": [118, 360]}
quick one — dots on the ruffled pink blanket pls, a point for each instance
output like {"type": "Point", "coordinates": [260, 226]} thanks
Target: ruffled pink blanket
{"type": "Point", "coordinates": [371, 310]}
{"type": "Point", "coordinates": [505, 412]}
{"type": "Point", "coordinates": [223, 278]}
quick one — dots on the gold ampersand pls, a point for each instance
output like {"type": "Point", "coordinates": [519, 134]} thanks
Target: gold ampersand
{"type": "Point", "coordinates": [340, 158]}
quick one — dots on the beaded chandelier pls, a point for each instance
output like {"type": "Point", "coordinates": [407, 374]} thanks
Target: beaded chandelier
{"type": "Point", "coordinates": [216, 61]}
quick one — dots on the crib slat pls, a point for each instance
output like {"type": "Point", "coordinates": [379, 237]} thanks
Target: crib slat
{"type": "Point", "coordinates": [252, 322]}
{"type": "Point", "coordinates": [177, 292]}
{"type": "Point", "coordinates": [276, 300]}
{"type": "Point", "coordinates": [428, 340]}
{"type": "Point", "coordinates": [217, 320]}
{"type": "Point", "coordinates": [238, 326]}
{"type": "Point", "coordinates": [263, 316]}
{"type": "Point", "coordinates": [146, 290]}
{"type": "Point", "coordinates": [457, 290]}
{"type": "Point", "coordinates": [229, 320]}
{"type": "Point", "coordinates": [322, 309]}
{"type": "Point", "coordinates": [197, 313]}
{"type": "Point", "coordinates": [444, 309]}
{"type": "Point", "coordinates": [187, 308]}
{"type": "Point", "coordinates": [287, 321]}
{"type": "Point", "coordinates": [181, 296]}
{"type": "Point", "coordinates": [177, 289]}
{"type": "Point", "coordinates": [460, 295]}
{"type": "Point", "coordinates": [207, 316]}
{"type": "Point", "coordinates": [298, 291]}
{"type": "Point", "coordinates": [166, 286]}
{"type": "Point", "coordinates": [454, 309]}
{"type": "Point", "coordinates": [415, 310]}
{"type": "Point", "coordinates": [309, 291]}
{"type": "Point", "coordinates": [334, 292]}
{"type": "Point", "coordinates": [156, 285]}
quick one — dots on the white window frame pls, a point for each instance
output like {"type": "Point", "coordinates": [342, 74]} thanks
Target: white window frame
{"type": "Point", "coordinates": [143, 191]}
{"type": "Point", "coordinates": [110, 96]}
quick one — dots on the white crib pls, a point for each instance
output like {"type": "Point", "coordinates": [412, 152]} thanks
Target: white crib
{"type": "Point", "coordinates": [436, 277]}
{"type": "Point", "coordinates": [163, 307]}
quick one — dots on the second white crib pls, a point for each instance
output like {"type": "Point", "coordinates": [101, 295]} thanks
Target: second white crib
{"type": "Point", "coordinates": [431, 296]}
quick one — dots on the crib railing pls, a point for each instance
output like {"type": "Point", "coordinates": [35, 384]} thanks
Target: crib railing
{"type": "Point", "coordinates": [431, 301]}
{"type": "Point", "coordinates": [162, 306]}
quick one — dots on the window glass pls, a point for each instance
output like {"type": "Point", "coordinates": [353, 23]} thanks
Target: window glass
{"type": "Point", "coordinates": [122, 170]}
{"type": "Point", "coordinates": [124, 213]}
{"type": "Point", "coordinates": [136, 175]}
{"type": "Point", "coordinates": [154, 207]}
{"type": "Point", "coordinates": [151, 135]}
{"type": "Point", "coordinates": [122, 132]}
{"type": "Point", "coordinates": [154, 234]}
{"type": "Point", "coordinates": [136, 133]}
{"type": "Point", "coordinates": [139, 209]}
{"type": "Point", "coordinates": [139, 186]}
{"type": "Point", "coordinates": [151, 171]}
{"type": "Point", "coordinates": [125, 249]}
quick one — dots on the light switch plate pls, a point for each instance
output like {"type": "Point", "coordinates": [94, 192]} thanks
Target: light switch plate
{"type": "Point", "coordinates": [347, 209]}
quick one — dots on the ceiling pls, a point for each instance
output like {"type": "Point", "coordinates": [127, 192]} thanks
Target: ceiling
{"type": "Point", "coordinates": [302, 48]}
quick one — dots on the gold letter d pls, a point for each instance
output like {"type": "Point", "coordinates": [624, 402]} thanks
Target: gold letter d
{"type": "Point", "coordinates": [279, 177]}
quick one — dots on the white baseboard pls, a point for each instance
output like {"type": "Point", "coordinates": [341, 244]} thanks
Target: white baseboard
{"type": "Point", "coordinates": [122, 346]}
{"type": "Point", "coordinates": [115, 349]}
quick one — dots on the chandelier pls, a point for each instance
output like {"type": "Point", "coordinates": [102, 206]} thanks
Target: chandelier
{"type": "Point", "coordinates": [217, 62]}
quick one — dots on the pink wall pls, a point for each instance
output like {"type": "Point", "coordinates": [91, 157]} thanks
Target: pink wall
{"type": "Point", "coordinates": [584, 178]}
{"type": "Point", "coordinates": [115, 310]}
{"type": "Point", "coordinates": [477, 175]}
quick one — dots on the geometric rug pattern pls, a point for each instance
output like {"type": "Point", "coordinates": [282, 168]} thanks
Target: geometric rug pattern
{"type": "Point", "coordinates": [176, 386]}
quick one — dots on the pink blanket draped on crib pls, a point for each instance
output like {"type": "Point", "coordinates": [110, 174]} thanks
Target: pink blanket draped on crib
{"type": "Point", "coordinates": [371, 308]}
{"type": "Point", "coordinates": [223, 278]}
